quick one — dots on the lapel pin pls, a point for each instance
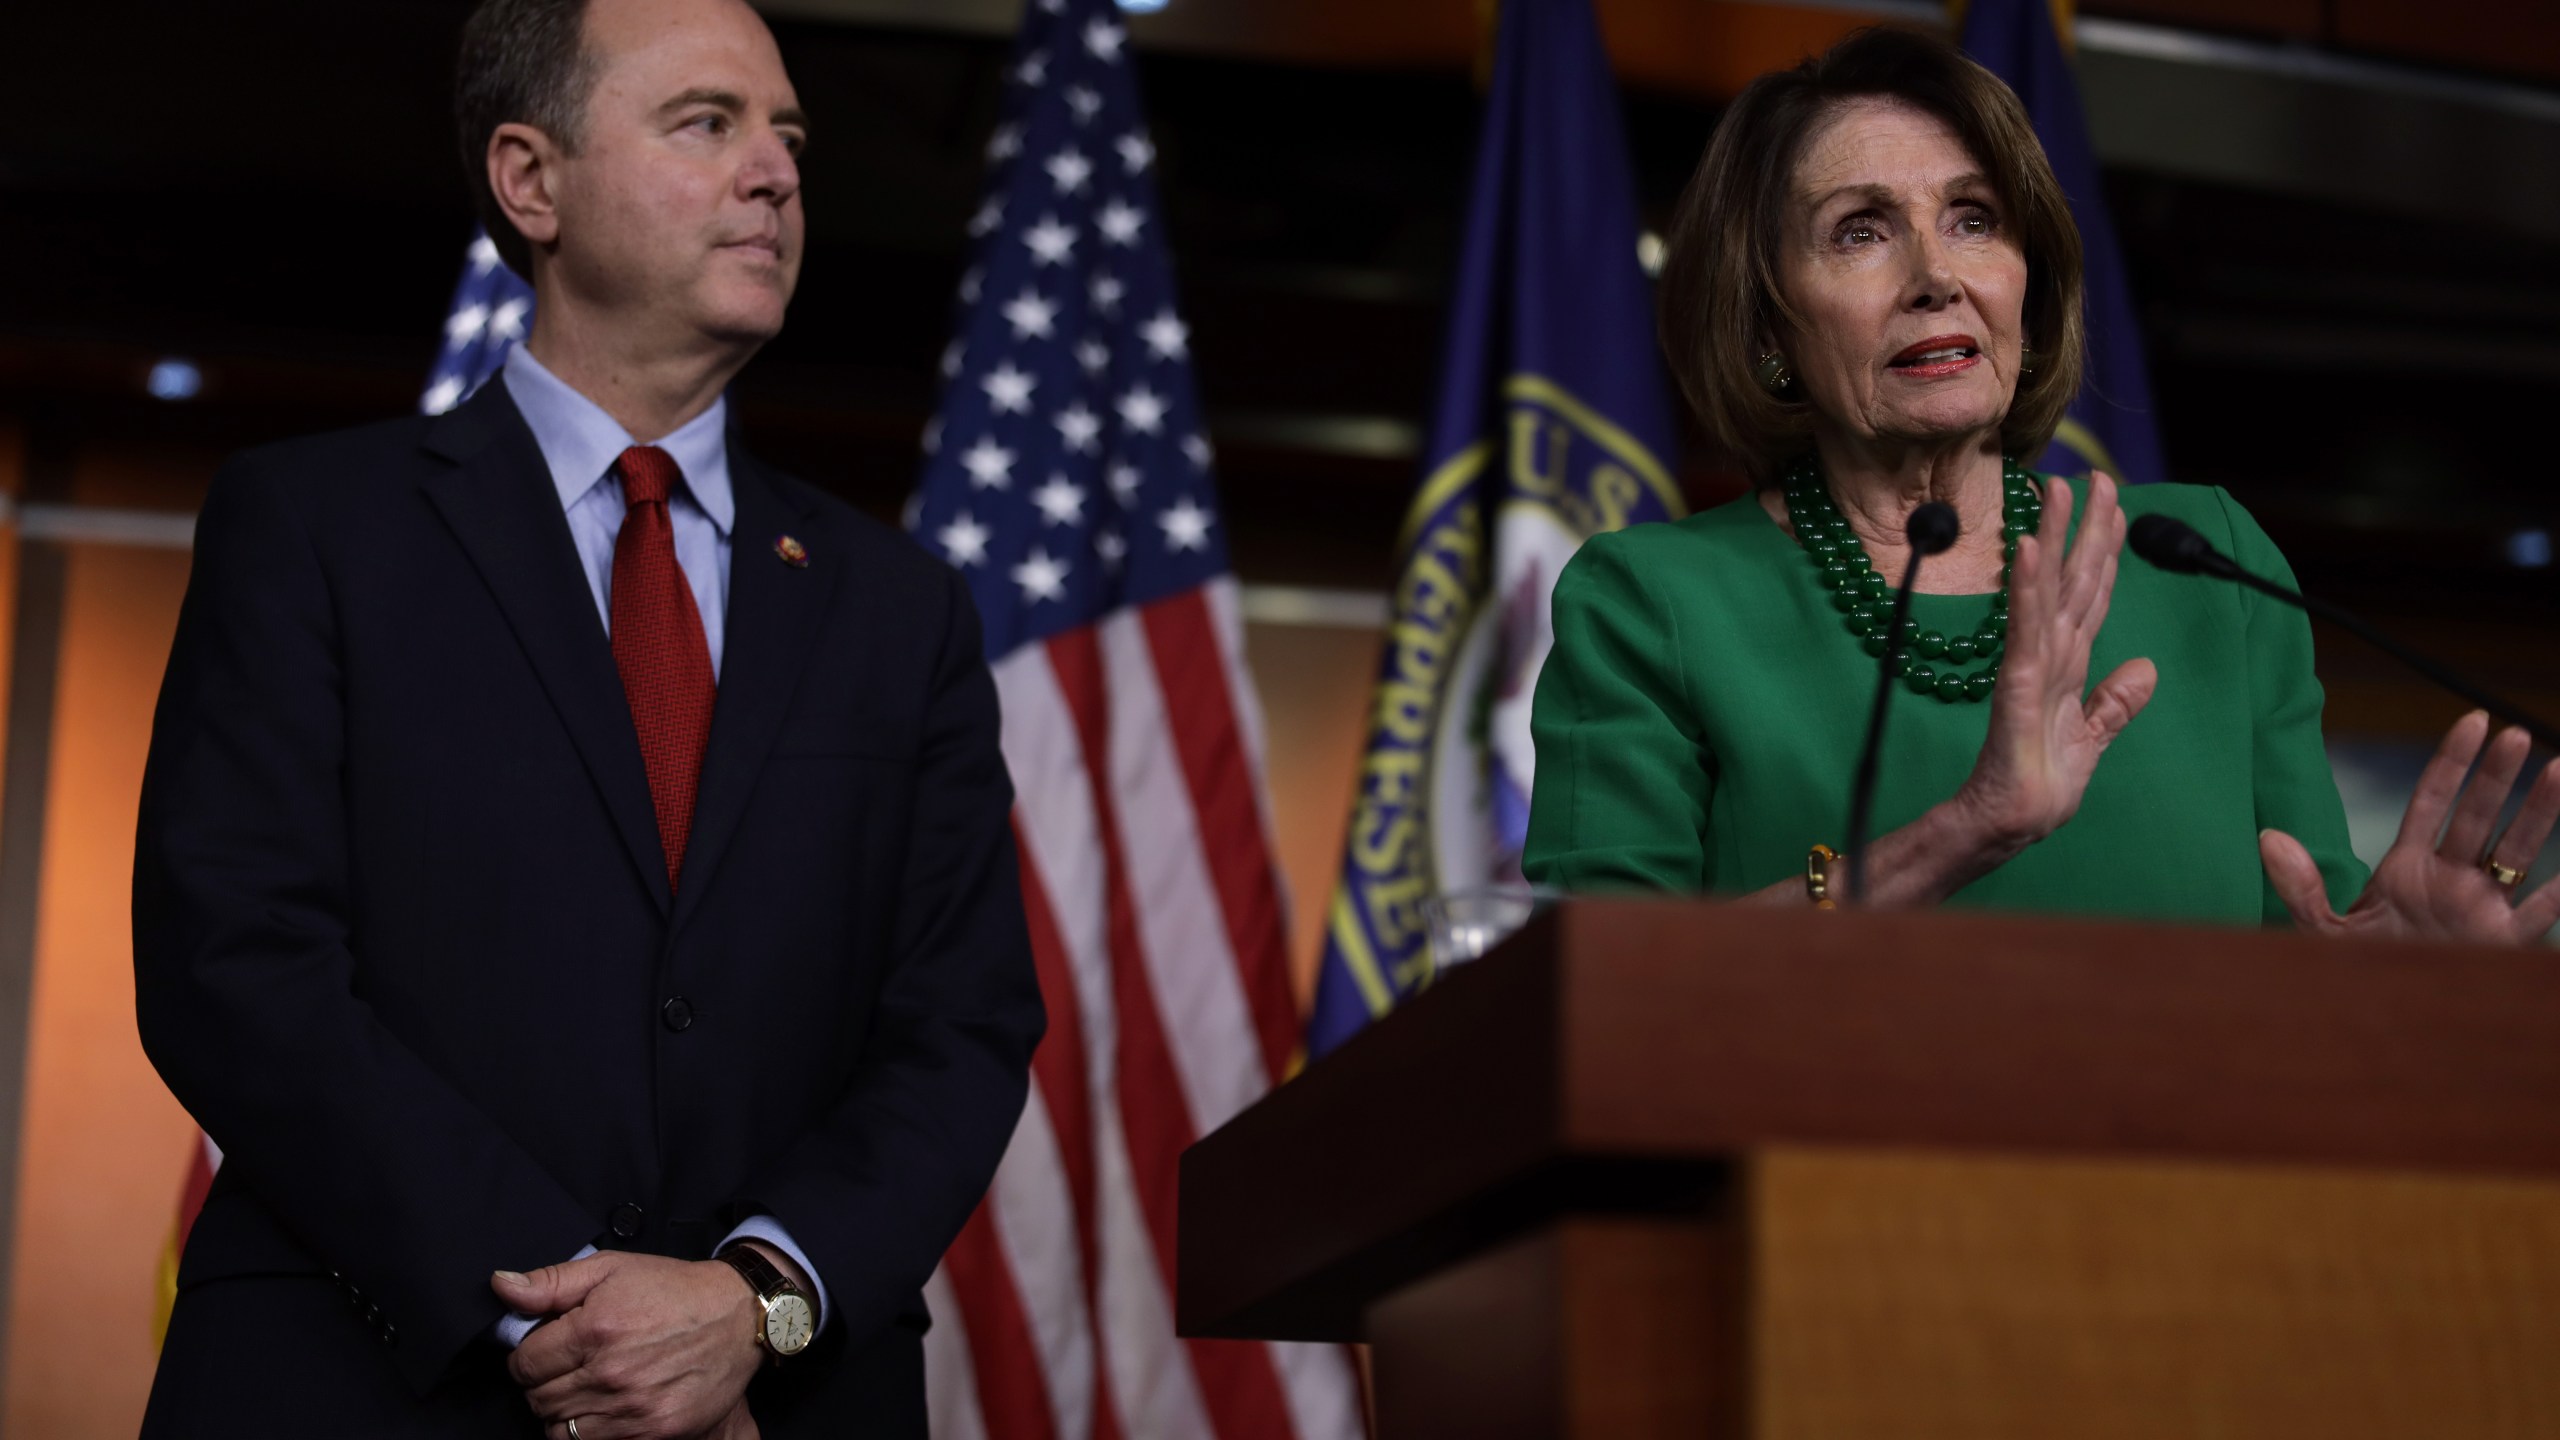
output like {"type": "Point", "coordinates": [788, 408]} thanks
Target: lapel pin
{"type": "Point", "coordinates": [793, 553]}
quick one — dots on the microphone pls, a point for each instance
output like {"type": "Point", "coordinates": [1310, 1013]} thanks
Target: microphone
{"type": "Point", "coordinates": [1931, 529]}
{"type": "Point", "coordinates": [2173, 545]}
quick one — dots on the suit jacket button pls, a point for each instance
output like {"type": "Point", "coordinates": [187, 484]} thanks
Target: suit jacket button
{"type": "Point", "coordinates": [677, 1013]}
{"type": "Point", "coordinates": [389, 1335]}
{"type": "Point", "coordinates": [625, 1220]}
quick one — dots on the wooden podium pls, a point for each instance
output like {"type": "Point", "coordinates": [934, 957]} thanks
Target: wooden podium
{"type": "Point", "coordinates": [1660, 1168]}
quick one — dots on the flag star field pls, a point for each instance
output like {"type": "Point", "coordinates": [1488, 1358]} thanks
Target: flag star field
{"type": "Point", "coordinates": [1077, 382]}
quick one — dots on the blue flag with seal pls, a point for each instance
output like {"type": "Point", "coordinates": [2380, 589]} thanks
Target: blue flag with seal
{"type": "Point", "coordinates": [2109, 426]}
{"type": "Point", "coordinates": [1553, 424]}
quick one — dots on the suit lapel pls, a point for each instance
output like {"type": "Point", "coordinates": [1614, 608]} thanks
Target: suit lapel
{"type": "Point", "coordinates": [502, 506]}
{"type": "Point", "coordinates": [775, 611]}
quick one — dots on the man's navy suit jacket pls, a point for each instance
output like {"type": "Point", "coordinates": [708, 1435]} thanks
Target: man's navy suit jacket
{"type": "Point", "coordinates": [405, 946]}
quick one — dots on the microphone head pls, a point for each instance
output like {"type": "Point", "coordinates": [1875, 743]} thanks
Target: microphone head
{"type": "Point", "coordinates": [1931, 528]}
{"type": "Point", "coordinates": [2170, 543]}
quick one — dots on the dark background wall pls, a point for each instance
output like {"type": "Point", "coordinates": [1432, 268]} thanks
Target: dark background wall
{"type": "Point", "coordinates": [268, 187]}
{"type": "Point", "coordinates": [2341, 216]}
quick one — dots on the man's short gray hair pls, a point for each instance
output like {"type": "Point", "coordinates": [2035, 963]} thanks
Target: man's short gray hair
{"type": "Point", "coordinates": [522, 61]}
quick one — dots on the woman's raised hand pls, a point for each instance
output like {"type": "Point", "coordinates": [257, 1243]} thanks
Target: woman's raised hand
{"type": "Point", "coordinates": [2442, 890]}
{"type": "Point", "coordinates": [2046, 735]}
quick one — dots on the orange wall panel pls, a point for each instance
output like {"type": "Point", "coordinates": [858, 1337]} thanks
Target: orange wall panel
{"type": "Point", "coordinates": [103, 1146]}
{"type": "Point", "coordinates": [1314, 686]}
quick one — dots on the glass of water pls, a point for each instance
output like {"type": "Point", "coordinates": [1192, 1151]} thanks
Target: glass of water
{"type": "Point", "coordinates": [1467, 923]}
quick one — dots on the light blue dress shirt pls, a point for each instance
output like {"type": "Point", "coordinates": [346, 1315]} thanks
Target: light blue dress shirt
{"type": "Point", "coordinates": [580, 444]}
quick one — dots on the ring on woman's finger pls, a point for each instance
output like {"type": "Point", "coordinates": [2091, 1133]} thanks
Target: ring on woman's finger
{"type": "Point", "coordinates": [573, 1427]}
{"type": "Point", "coordinates": [2505, 875]}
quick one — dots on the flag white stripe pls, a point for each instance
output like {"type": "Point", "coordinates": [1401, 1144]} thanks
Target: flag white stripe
{"type": "Point", "coordinates": [1151, 1380]}
{"type": "Point", "coordinates": [1053, 801]}
{"type": "Point", "coordinates": [1226, 619]}
{"type": "Point", "coordinates": [1153, 1390]}
{"type": "Point", "coordinates": [950, 1376]}
{"type": "Point", "coordinates": [1322, 1388]}
{"type": "Point", "coordinates": [1191, 965]}
{"type": "Point", "coordinates": [1035, 1229]}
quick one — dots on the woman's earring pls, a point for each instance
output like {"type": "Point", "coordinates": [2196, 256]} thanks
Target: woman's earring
{"type": "Point", "coordinates": [1775, 377]}
{"type": "Point", "coordinates": [2026, 361]}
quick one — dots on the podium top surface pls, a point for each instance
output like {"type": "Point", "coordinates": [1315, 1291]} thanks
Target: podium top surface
{"type": "Point", "coordinates": [1625, 1049]}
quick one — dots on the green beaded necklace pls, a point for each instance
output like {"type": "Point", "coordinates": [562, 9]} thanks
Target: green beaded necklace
{"type": "Point", "coordinates": [1866, 598]}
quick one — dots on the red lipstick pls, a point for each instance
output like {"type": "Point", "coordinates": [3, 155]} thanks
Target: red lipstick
{"type": "Point", "coordinates": [1937, 356]}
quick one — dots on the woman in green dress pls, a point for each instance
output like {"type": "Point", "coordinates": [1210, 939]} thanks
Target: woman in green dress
{"type": "Point", "coordinates": [1872, 294]}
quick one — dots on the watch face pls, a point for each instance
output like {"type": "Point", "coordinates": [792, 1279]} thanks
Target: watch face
{"type": "Point", "coordinates": [788, 1325]}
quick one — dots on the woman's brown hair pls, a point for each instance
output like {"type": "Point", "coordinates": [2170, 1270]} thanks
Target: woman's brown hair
{"type": "Point", "coordinates": [1719, 290]}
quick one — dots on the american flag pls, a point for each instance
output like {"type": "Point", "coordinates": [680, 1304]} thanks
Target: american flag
{"type": "Point", "coordinates": [1067, 477]}
{"type": "Point", "coordinates": [492, 309]}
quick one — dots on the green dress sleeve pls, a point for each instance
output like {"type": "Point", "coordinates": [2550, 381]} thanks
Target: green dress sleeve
{"type": "Point", "coordinates": [1623, 781]}
{"type": "Point", "coordinates": [2296, 791]}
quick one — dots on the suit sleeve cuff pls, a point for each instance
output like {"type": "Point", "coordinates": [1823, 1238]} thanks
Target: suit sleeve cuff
{"type": "Point", "coordinates": [513, 1326]}
{"type": "Point", "coordinates": [770, 1231]}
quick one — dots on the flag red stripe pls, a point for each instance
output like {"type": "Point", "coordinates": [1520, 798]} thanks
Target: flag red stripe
{"type": "Point", "coordinates": [1237, 1380]}
{"type": "Point", "coordinates": [1012, 1391]}
{"type": "Point", "coordinates": [1200, 713]}
{"type": "Point", "coordinates": [1152, 1111]}
{"type": "Point", "coordinates": [1060, 1067]}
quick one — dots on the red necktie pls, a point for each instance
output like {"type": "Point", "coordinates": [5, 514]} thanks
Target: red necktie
{"type": "Point", "coordinates": [658, 646]}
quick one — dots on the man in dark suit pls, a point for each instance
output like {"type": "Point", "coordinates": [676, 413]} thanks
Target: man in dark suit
{"type": "Point", "coordinates": [574, 882]}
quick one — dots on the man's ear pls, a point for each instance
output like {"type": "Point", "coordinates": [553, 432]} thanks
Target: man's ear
{"type": "Point", "coordinates": [523, 164]}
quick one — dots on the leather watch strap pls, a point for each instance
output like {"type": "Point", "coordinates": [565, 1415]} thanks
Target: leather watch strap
{"type": "Point", "coordinates": [761, 1274]}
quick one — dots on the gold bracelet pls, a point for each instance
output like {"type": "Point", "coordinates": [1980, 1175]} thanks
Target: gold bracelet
{"type": "Point", "coordinates": [1817, 877]}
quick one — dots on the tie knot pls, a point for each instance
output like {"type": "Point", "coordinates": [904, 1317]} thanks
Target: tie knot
{"type": "Point", "coordinates": [649, 475]}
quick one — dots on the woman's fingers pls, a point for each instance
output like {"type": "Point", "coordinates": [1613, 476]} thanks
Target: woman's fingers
{"type": "Point", "coordinates": [2441, 781]}
{"type": "Point", "coordinates": [2089, 573]}
{"type": "Point", "coordinates": [2052, 536]}
{"type": "Point", "coordinates": [2029, 609]}
{"type": "Point", "coordinates": [2522, 844]}
{"type": "Point", "coordinates": [2296, 878]}
{"type": "Point", "coordinates": [2119, 698]}
{"type": "Point", "coordinates": [2096, 618]}
{"type": "Point", "coordinates": [2083, 635]}
{"type": "Point", "coordinates": [2538, 912]}
{"type": "Point", "coordinates": [2057, 513]}
{"type": "Point", "coordinates": [2466, 840]}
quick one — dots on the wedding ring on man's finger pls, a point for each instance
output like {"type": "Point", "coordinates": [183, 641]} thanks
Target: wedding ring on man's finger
{"type": "Point", "coordinates": [573, 1427]}
{"type": "Point", "coordinates": [2505, 875]}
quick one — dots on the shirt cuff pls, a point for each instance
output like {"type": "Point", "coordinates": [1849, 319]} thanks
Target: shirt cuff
{"type": "Point", "coordinates": [770, 1231]}
{"type": "Point", "coordinates": [513, 1326]}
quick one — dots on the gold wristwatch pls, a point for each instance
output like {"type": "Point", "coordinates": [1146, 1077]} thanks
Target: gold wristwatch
{"type": "Point", "coordinates": [789, 1321]}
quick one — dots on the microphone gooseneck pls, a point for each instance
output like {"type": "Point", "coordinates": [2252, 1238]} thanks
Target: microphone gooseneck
{"type": "Point", "coordinates": [2174, 545]}
{"type": "Point", "coordinates": [1931, 529]}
